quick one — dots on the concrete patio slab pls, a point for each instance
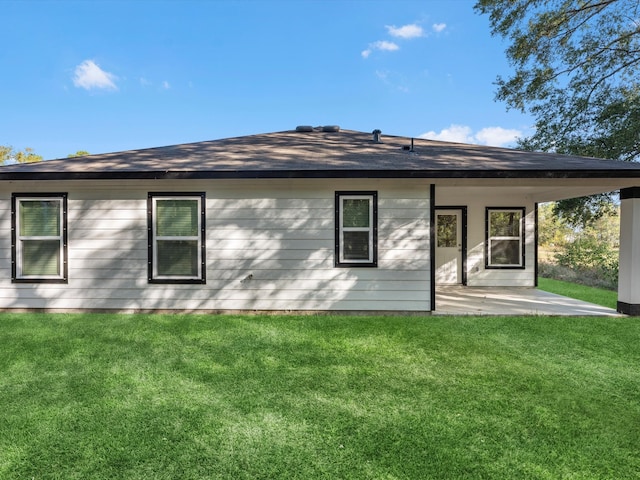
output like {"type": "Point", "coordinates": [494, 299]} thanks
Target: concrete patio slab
{"type": "Point", "coordinates": [458, 300]}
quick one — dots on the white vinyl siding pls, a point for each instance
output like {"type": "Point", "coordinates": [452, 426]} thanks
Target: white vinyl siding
{"type": "Point", "coordinates": [39, 238]}
{"type": "Point", "coordinates": [269, 247]}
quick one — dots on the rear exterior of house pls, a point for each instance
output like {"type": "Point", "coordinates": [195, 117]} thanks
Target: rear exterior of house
{"type": "Point", "coordinates": [265, 245]}
{"type": "Point", "coordinates": [220, 245]}
{"type": "Point", "coordinates": [328, 221]}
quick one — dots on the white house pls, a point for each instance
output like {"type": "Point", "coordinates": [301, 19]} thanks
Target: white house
{"type": "Point", "coordinates": [312, 219]}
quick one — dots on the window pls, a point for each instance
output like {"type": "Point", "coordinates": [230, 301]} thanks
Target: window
{"type": "Point", "coordinates": [447, 230]}
{"type": "Point", "coordinates": [505, 238]}
{"type": "Point", "coordinates": [356, 229]}
{"type": "Point", "coordinates": [176, 238]}
{"type": "Point", "coordinates": [39, 238]}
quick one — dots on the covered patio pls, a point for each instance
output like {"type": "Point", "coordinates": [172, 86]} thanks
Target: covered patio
{"type": "Point", "coordinates": [461, 300]}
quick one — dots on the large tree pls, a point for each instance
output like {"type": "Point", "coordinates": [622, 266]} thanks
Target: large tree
{"type": "Point", "coordinates": [576, 70]}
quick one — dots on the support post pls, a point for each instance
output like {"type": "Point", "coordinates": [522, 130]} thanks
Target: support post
{"type": "Point", "coordinates": [629, 267]}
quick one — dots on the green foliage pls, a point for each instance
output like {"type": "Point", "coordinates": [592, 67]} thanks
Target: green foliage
{"type": "Point", "coordinates": [6, 152]}
{"type": "Point", "coordinates": [576, 69]}
{"type": "Point", "coordinates": [79, 153]}
{"type": "Point", "coordinates": [576, 65]}
{"type": "Point", "coordinates": [583, 254]}
{"type": "Point", "coordinates": [606, 229]}
{"type": "Point", "coordinates": [583, 212]}
{"type": "Point", "coordinates": [588, 255]}
{"type": "Point", "coordinates": [9, 155]}
{"type": "Point", "coordinates": [553, 231]}
{"type": "Point", "coordinates": [322, 397]}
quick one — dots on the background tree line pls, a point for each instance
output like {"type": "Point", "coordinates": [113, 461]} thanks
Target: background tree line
{"type": "Point", "coordinates": [576, 71]}
{"type": "Point", "coordinates": [586, 254]}
{"type": "Point", "coordinates": [9, 155]}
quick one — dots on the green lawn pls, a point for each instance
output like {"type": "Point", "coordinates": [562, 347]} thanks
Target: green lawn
{"type": "Point", "coordinates": [599, 296]}
{"type": "Point", "coordinates": [246, 397]}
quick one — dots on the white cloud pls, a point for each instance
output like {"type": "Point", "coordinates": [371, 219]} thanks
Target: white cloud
{"type": "Point", "coordinates": [455, 133]}
{"type": "Point", "coordinates": [497, 136]}
{"type": "Point", "coordinates": [438, 27]}
{"type": "Point", "coordinates": [406, 31]}
{"type": "Point", "coordinates": [493, 136]}
{"type": "Point", "coordinates": [380, 45]}
{"type": "Point", "coordinates": [384, 45]}
{"type": "Point", "coordinates": [89, 75]}
{"type": "Point", "coordinates": [166, 85]}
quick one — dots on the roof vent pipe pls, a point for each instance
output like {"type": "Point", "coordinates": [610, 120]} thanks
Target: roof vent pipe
{"type": "Point", "coordinates": [376, 135]}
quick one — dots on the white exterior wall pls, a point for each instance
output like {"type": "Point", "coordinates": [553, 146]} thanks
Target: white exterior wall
{"type": "Point", "coordinates": [477, 199]}
{"type": "Point", "coordinates": [269, 246]}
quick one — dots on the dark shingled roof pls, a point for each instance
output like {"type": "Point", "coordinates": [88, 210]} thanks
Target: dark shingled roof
{"type": "Point", "coordinates": [321, 154]}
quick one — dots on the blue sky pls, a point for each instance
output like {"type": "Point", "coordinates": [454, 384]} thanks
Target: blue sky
{"type": "Point", "coordinates": [106, 76]}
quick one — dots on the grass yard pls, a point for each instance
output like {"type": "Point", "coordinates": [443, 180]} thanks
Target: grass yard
{"type": "Point", "coordinates": [599, 296]}
{"type": "Point", "coordinates": [259, 397]}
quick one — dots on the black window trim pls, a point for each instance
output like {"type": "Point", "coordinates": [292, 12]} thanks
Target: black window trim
{"type": "Point", "coordinates": [356, 193]}
{"type": "Point", "coordinates": [522, 266]}
{"type": "Point", "coordinates": [150, 247]}
{"type": "Point", "coordinates": [15, 197]}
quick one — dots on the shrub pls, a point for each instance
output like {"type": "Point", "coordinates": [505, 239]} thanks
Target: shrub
{"type": "Point", "coordinates": [594, 263]}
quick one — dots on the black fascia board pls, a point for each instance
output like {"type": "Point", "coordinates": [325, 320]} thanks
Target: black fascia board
{"type": "Point", "coordinates": [319, 174]}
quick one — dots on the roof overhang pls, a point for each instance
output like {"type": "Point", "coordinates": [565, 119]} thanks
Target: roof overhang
{"type": "Point", "coordinates": [341, 154]}
{"type": "Point", "coordinates": [319, 174]}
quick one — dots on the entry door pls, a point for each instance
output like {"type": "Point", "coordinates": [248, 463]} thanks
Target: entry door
{"type": "Point", "coordinates": [449, 265]}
